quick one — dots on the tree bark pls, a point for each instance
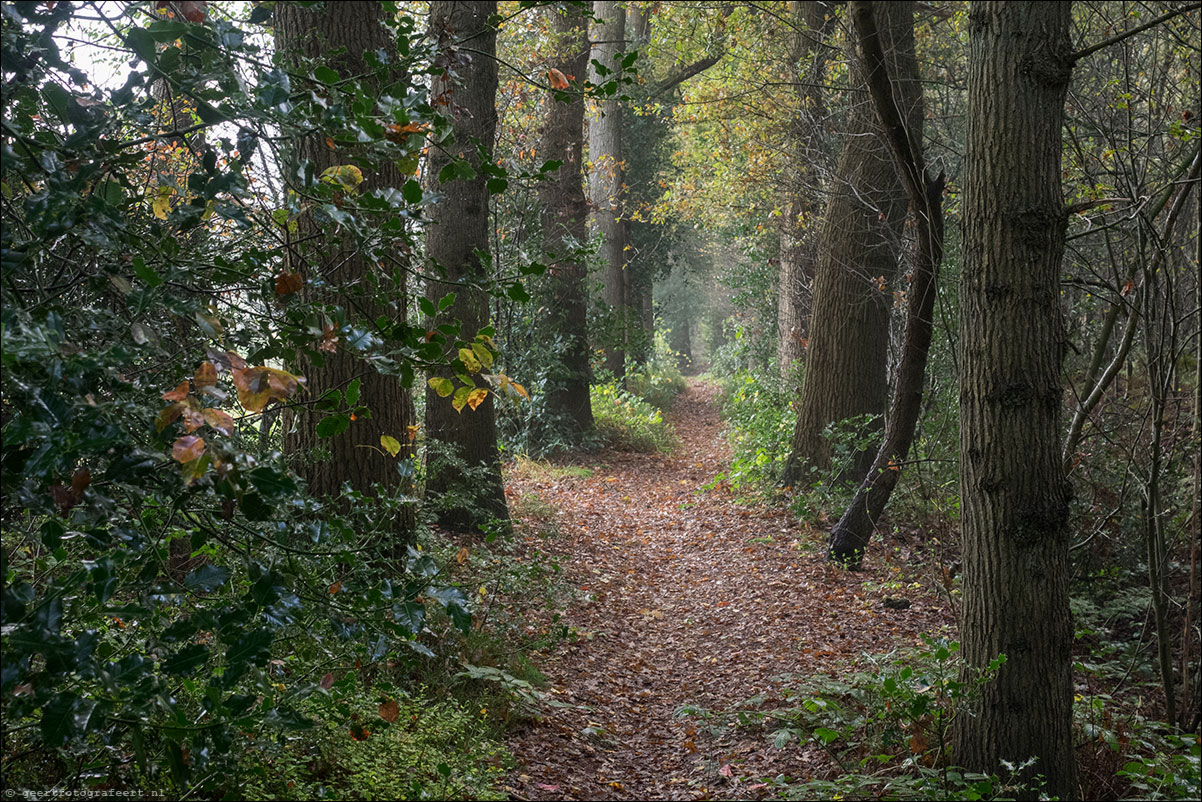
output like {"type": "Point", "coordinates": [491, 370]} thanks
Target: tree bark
{"type": "Point", "coordinates": [1014, 494]}
{"type": "Point", "coordinates": [851, 535]}
{"type": "Point", "coordinates": [565, 232]}
{"type": "Point", "coordinates": [607, 160]}
{"type": "Point", "coordinates": [355, 456]}
{"type": "Point", "coordinates": [813, 22]}
{"type": "Point", "coordinates": [846, 365]}
{"type": "Point", "coordinates": [466, 495]}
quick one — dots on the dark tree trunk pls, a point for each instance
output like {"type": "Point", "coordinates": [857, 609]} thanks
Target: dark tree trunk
{"type": "Point", "coordinates": [565, 232]}
{"type": "Point", "coordinates": [851, 534]}
{"type": "Point", "coordinates": [813, 22]}
{"type": "Point", "coordinates": [858, 249]}
{"type": "Point", "coordinates": [605, 178]}
{"type": "Point", "coordinates": [355, 456]}
{"type": "Point", "coordinates": [459, 231]}
{"type": "Point", "coordinates": [1014, 494]}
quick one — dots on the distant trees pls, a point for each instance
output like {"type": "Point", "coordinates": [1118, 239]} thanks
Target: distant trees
{"type": "Point", "coordinates": [606, 167]}
{"type": "Point", "coordinates": [858, 249]}
{"type": "Point", "coordinates": [465, 473]}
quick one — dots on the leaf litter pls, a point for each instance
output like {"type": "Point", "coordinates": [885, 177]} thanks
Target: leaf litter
{"type": "Point", "coordinates": [689, 597]}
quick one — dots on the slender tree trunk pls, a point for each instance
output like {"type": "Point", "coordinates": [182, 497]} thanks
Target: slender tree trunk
{"type": "Point", "coordinates": [851, 535]}
{"type": "Point", "coordinates": [812, 23]}
{"type": "Point", "coordinates": [355, 455]}
{"type": "Point", "coordinates": [564, 221]}
{"type": "Point", "coordinates": [846, 366]}
{"type": "Point", "coordinates": [607, 161]}
{"type": "Point", "coordinates": [465, 496]}
{"type": "Point", "coordinates": [1014, 494]}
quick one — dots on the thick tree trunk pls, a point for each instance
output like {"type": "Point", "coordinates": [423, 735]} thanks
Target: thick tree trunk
{"type": "Point", "coordinates": [858, 249]}
{"type": "Point", "coordinates": [354, 456]}
{"type": "Point", "coordinates": [564, 221]}
{"type": "Point", "coordinates": [851, 535]}
{"type": "Point", "coordinates": [1014, 494]}
{"type": "Point", "coordinates": [607, 159]}
{"type": "Point", "coordinates": [464, 496]}
{"type": "Point", "coordinates": [813, 22]}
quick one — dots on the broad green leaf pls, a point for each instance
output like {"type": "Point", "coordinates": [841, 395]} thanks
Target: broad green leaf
{"type": "Point", "coordinates": [442, 385]}
{"type": "Point", "coordinates": [352, 392]}
{"type": "Point", "coordinates": [460, 399]}
{"type": "Point", "coordinates": [332, 425]}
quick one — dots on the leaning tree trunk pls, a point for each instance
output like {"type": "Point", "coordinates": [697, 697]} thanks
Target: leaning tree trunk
{"type": "Point", "coordinates": [851, 534]}
{"type": "Point", "coordinates": [355, 456]}
{"type": "Point", "coordinates": [846, 366]}
{"type": "Point", "coordinates": [812, 23]}
{"type": "Point", "coordinates": [606, 159]}
{"type": "Point", "coordinates": [565, 233]}
{"type": "Point", "coordinates": [1014, 493]}
{"type": "Point", "coordinates": [464, 495]}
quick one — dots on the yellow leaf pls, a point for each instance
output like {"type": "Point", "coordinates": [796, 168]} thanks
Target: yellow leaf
{"type": "Point", "coordinates": [520, 390]}
{"type": "Point", "coordinates": [391, 444]}
{"type": "Point", "coordinates": [162, 203]}
{"type": "Point", "coordinates": [468, 357]}
{"type": "Point", "coordinates": [344, 176]}
{"type": "Point", "coordinates": [460, 398]}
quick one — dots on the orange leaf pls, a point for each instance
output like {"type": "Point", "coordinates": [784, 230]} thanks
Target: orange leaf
{"type": "Point", "coordinates": [461, 556]}
{"type": "Point", "coordinates": [179, 393]}
{"type": "Point", "coordinates": [359, 734]}
{"type": "Point", "coordinates": [187, 448]}
{"type": "Point", "coordinates": [193, 10]}
{"type": "Point", "coordinates": [476, 397]}
{"type": "Point", "coordinates": [337, 586]}
{"type": "Point", "coordinates": [80, 481]}
{"type": "Point", "coordinates": [288, 283]}
{"type": "Point", "coordinates": [389, 710]}
{"type": "Point", "coordinates": [558, 79]}
{"type": "Point", "coordinates": [330, 143]}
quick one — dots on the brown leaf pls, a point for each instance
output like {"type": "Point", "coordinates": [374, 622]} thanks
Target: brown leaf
{"type": "Point", "coordinates": [389, 710]}
{"type": "Point", "coordinates": [219, 420]}
{"type": "Point", "coordinates": [327, 681]}
{"type": "Point", "coordinates": [62, 497]}
{"type": "Point", "coordinates": [461, 556]}
{"type": "Point", "coordinates": [80, 481]}
{"type": "Point", "coordinates": [558, 79]}
{"type": "Point", "coordinates": [187, 448]}
{"type": "Point", "coordinates": [288, 283]}
{"type": "Point", "coordinates": [205, 376]}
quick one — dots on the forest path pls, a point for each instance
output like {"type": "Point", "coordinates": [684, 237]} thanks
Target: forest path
{"type": "Point", "coordinates": [687, 597]}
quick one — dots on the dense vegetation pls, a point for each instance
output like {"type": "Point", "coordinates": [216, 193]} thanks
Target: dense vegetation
{"type": "Point", "coordinates": [292, 290]}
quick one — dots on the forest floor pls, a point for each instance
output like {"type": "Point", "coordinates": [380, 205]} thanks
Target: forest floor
{"type": "Point", "coordinates": [685, 596]}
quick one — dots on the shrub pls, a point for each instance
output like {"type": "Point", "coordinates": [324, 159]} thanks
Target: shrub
{"type": "Point", "coordinates": [625, 421]}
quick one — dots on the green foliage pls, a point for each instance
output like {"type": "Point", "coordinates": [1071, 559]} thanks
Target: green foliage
{"type": "Point", "coordinates": [625, 421]}
{"type": "Point", "coordinates": [429, 750]}
{"type": "Point", "coordinates": [758, 407]}
{"type": "Point", "coordinates": [658, 381]}
{"type": "Point", "coordinates": [886, 726]}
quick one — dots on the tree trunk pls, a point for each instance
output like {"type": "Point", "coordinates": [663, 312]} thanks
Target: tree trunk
{"type": "Point", "coordinates": [812, 22]}
{"type": "Point", "coordinates": [464, 495]}
{"type": "Point", "coordinates": [846, 366]}
{"type": "Point", "coordinates": [564, 222]}
{"type": "Point", "coordinates": [355, 456]}
{"type": "Point", "coordinates": [606, 160]}
{"type": "Point", "coordinates": [851, 535]}
{"type": "Point", "coordinates": [1014, 494]}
